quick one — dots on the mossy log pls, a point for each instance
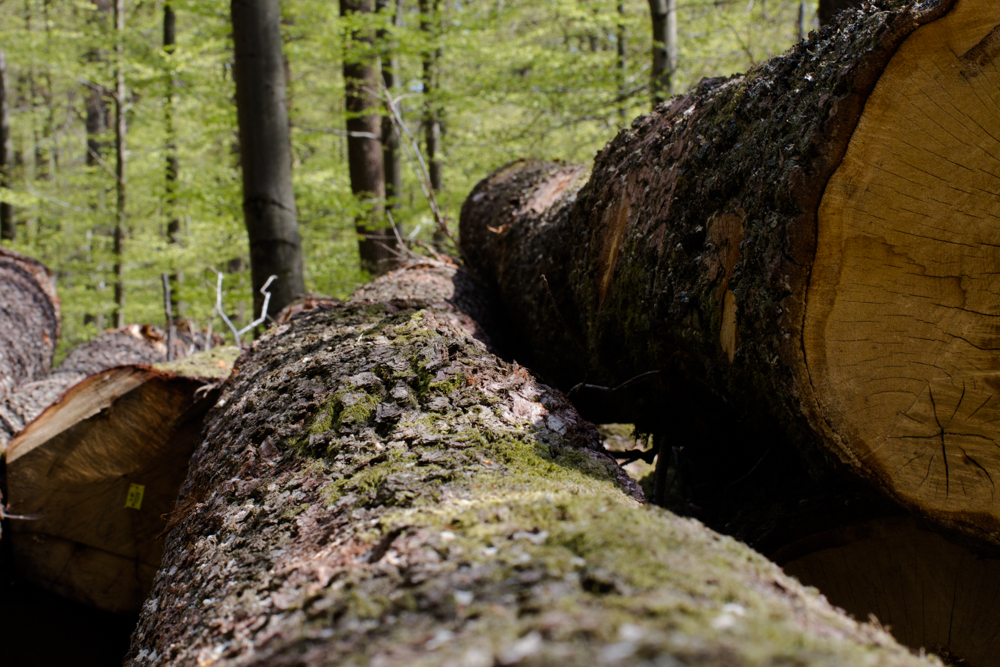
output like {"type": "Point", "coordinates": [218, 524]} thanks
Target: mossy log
{"type": "Point", "coordinates": [812, 244]}
{"type": "Point", "coordinates": [29, 320]}
{"type": "Point", "coordinates": [90, 479]}
{"type": "Point", "coordinates": [375, 488]}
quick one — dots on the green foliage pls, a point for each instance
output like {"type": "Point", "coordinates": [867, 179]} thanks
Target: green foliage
{"type": "Point", "coordinates": [517, 78]}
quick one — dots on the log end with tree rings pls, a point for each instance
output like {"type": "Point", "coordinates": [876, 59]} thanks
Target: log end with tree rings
{"type": "Point", "coordinates": [901, 333]}
{"type": "Point", "coordinates": [92, 479]}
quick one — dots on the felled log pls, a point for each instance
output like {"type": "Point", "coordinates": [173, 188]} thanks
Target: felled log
{"type": "Point", "coordinates": [811, 244]}
{"type": "Point", "coordinates": [90, 479]}
{"type": "Point", "coordinates": [29, 319]}
{"type": "Point", "coordinates": [374, 487]}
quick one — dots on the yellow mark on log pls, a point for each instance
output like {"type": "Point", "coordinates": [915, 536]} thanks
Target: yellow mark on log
{"type": "Point", "coordinates": [727, 332]}
{"type": "Point", "coordinates": [615, 220]}
{"type": "Point", "coordinates": [134, 498]}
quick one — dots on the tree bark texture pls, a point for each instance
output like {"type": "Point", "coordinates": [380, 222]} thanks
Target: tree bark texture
{"type": "Point", "coordinates": [376, 240]}
{"type": "Point", "coordinates": [29, 320]}
{"type": "Point", "coordinates": [828, 9]}
{"type": "Point", "coordinates": [375, 488]}
{"type": "Point", "coordinates": [8, 230]}
{"type": "Point", "coordinates": [131, 345]}
{"type": "Point", "coordinates": [265, 152]}
{"type": "Point", "coordinates": [172, 165]}
{"type": "Point", "coordinates": [765, 240]}
{"type": "Point", "coordinates": [430, 25]}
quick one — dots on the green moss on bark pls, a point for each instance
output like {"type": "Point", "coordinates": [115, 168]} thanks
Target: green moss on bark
{"type": "Point", "coordinates": [475, 522]}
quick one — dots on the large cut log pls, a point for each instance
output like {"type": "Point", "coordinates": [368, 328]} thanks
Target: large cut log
{"type": "Point", "coordinates": [90, 479]}
{"type": "Point", "coordinates": [375, 488]}
{"type": "Point", "coordinates": [29, 319]}
{"type": "Point", "coordinates": [814, 243]}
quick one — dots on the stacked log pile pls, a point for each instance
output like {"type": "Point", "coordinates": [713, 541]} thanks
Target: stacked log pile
{"type": "Point", "coordinates": [791, 250]}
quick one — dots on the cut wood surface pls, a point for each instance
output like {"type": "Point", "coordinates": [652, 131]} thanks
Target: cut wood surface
{"type": "Point", "coordinates": [29, 319]}
{"type": "Point", "coordinates": [131, 345]}
{"type": "Point", "coordinates": [813, 243]}
{"type": "Point", "coordinates": [375, 488]}
{"type": "Point", "coordinates": [97, 471]}
{"type": "Point", "coordinates": [929, 591]}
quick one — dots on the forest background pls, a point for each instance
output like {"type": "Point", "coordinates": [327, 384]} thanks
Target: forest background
{"type": "Point", "coordinates": [514, 78]}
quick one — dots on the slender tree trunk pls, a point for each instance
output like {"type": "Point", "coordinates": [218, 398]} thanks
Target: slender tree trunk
{"type": "Point", "coordinates": [803, 19]}
{"type": "Point", "coordinates": [172, 165]}
{"type": "Point", "coordinates": [120, 172]}
{"type": "Point", "coordinates": [265, 152]}
{"type": "Point", "coordinates": [431, 27]}
{"type": "Point", "coordinates": [390, 136]}
{"type": "Point", "coordinates": [8, 229]}
{"type": "Point", "coordinates": [376, 242]}
{"type": "Point", "coordinates": [664, 18]}
{"type": "Point", "coordinates": [96, 102]}
{"type": "Point", "coordinates": [622, 63]}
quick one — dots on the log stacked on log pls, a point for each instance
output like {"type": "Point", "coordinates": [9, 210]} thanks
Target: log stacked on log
{"type": "Point", "coordinates": [96, 472]}
{"type": "Point", "coordinates": [375, 488]}
{"type": "Point", "coordinates": [29, 320]}
{"type": "Point", "coordinates": [813, 244]}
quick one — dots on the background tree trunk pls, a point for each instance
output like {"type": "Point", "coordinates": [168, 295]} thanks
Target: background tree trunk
{"type": "Point", "coordinates": [664, 18]}
{"type": "Point", "coordinates": [396, 495]}
{"type": "Point", "coordinates": [121, 93]}
{"type": "Point", "coordinates": [265, 152]}
{"type": "Point", "coordinates": [8, 229]}
{"type": "Point", "coordinates": [376, 240]}
{"type": "Point", "coordinates": [723, 254]}
{"type": "Point", "coordinates": [392, 164]}
{"type": "Point", "coordinates": [828, 9]}
{"type": "Point", "coordinates": [172, 165]}
{"type": "Point", "coordinates": [430, 26]}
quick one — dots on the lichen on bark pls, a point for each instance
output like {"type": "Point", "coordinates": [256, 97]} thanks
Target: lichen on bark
{"type": "Point", "coordinates": [463, 515]}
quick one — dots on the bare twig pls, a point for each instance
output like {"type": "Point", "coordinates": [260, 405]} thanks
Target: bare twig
{"type": "Point", "coordinates": [423, 177]}
{"type": "Point", "coordinates": [238, 333]}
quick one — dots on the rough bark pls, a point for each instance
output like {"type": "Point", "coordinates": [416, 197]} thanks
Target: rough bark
{"type": "Point", "coordinates": [376, 241]}
{"type": "Point", "coordinates": [29, 320]}
{"type": "Point", "coordinates": [8, 230]}
{"type": "Point", "coordinates": [374, 487]}
{"type": "Point", "coordinates": [265, 152]}
{"type": "Point", "coordinates": [828, 9]}
{"type": "Point", "coordinates": [773, 246]}
{"type": "Point", "coordinates": [90, 479]}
